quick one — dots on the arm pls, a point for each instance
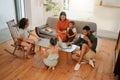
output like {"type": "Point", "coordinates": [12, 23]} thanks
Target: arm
{"type": "Point", "coordinates": [94, 44]}
{"type": "Point", "coordinates": [74, 31]}
{"type": "Point", "coordinates": [45, 53]}
{"type": "Point", "coordinates": [31, 33]}
{"type": "Point", "coordinates": [76, 42]}
{"type": "Point", "coordinates": [88, 40]}
{"type": "Point", "coordinates": [73, 34]}
{"type": "Point", "coordinates": [57, 27]}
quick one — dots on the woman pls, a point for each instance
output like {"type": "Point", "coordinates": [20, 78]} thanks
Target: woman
{"type": "Point", "coordinates": [61, 26]}
{"type": "Point", "coordinates": [24, 36]}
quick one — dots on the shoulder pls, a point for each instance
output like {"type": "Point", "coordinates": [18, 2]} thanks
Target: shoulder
{"type": "Point", "coordinates": [74, 28]}
{"type": "Point", "coordinates": [92, 37]}
{"type": "Point", "coordinates": [58, 22]}
{"type": "Point", "coordinates": [21, 30]}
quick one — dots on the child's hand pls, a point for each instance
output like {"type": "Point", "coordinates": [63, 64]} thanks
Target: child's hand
{"type": "Point", "coordinates": [44, 50]}
{"type": "Point", "coordinates": [69, 36]}
{"type": "Point", "coordinates": [59, 49]}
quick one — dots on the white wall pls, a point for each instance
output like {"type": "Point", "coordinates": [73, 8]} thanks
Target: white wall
{"type": "Point", "coordinates": [80, 9]}
{"type": "Point", "coordinates": [34, 12]}
{"type": "Point", "coordinates": [7, 12]}
{"type": "Point", "coordinates": [107, 18]}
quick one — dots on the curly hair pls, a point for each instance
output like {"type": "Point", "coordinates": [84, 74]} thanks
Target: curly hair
{"type": "Point", "coordinates": [53, 41]}
{"type": "Point", "coordinates": [22, 23]}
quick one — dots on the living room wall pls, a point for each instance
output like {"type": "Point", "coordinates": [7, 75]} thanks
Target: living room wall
{"type": "Point", "coordinates": [7, 12]}
{"type": "Point", "coordinates": [34, 11]}
{"type": "Point", "coordinates": [107, 18]}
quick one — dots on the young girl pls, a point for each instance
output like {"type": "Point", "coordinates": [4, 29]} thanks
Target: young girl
{"type": "Point", "coordinates": [71, 32]}
{"type": "Point", "coordinates": [24, 36]}
{"type": "Point", "coordinates": [51, 55]}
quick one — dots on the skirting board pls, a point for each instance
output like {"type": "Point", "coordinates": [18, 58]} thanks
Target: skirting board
{"type": "Point", "coordinates": [4, 35]}
{"type": "Point", "coordinates": [107, 34]}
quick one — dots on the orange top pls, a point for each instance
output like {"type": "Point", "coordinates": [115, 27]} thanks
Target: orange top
{"type": "Point", "coordinates": [62, 26]}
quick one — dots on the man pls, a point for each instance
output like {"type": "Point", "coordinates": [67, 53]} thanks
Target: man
{"type": "Point", "coordinates": [87, 43]}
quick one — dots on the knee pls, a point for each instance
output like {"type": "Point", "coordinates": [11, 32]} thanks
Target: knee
{"type": "Point", "coordinates": [73, 56]}
{"type": "Point", "coordinates": [29, 46]}
{"type": "Point", "coordinates": [84, 46]}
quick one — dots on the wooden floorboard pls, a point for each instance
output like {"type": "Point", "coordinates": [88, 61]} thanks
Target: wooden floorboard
{"type": "Point", "coordinates": [14, 68]}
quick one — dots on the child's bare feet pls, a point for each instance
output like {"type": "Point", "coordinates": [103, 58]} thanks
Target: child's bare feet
{"type": "Point", "coordinates": [43, 66]}
{"type": "Point", "coordinates": [53, 68]}
{"type": "Point", "coordinates": [49, 68]}
{"type": "Point", "coordinates": [28, 56]}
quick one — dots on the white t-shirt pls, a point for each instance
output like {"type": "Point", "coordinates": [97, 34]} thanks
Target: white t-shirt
{"type": "Point", "coordinates": [24, 32]}
{"type": "Point", "coordinates": [73, 29]}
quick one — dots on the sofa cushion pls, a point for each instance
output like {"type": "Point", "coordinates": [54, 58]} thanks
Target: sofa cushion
{"type": "Point", "coordinates": [42, 26]}
{"type": "Point", "coordinates": [43, 31]}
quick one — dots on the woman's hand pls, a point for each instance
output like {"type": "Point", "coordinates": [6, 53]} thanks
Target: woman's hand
{"type": "Point", "coordinates": [62, 31]}
{"type": "Point", "coordinates": [45, 52]}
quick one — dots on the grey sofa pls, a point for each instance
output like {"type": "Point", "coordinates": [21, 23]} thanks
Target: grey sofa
{"type": "Point", "coordinates": [52, 23]}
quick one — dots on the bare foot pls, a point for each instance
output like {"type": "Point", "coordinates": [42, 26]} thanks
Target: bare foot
{"type": "Point", "coordinates": [43, 66]}
{"type": "Point", "coordinates": [49, 68]}
{"type": "Point", "coordinates": [53, 68]}
{"type": "Point", "coordinates": [28, 56]}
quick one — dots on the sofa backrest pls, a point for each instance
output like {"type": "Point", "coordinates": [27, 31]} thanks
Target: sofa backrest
{"type": "Point", "coordinates": [51, 21]}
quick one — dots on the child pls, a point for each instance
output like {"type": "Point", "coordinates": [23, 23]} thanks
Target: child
{"type": "Point", "coordinates": [24, 36]}
{"type": "Point", "coordinates": [71, 32]}
{"type": "Point", "coordinates": [51, 55]}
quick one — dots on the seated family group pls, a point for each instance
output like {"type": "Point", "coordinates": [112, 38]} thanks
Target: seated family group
{"type": "Point", "coordinates": [66, 30]}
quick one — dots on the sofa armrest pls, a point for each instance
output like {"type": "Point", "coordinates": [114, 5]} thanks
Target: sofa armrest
{"type": "Point", "coordinates": [42, 26]}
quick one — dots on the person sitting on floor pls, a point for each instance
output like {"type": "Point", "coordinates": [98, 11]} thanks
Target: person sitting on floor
{"type": "Point", "coordinates": [87, 44]}
{"type": "Point", "coordinates": [71, 31]}
{"type": "Point", "coordinates": [51, 55]}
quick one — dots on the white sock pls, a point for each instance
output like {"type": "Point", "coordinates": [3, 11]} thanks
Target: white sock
{"type": "Point", "coordinates": [91, 63]}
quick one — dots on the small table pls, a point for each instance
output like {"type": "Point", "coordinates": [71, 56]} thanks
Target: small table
{"type": "Point", "coordinates": [43, 42]}
{"type": "Point", "coordinates": [68, 51]}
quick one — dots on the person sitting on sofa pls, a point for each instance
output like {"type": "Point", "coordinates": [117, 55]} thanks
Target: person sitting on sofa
{"type": "Point", "coordinates": [71, 32]}
{"type": "Point", "coordinates": [61, 26]}
{"type": "Point", "coordinates": [87, 44]}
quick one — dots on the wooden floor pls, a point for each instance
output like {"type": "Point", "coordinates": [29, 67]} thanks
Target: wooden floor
{"type": "Point", "coordinates": [13, 68]}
